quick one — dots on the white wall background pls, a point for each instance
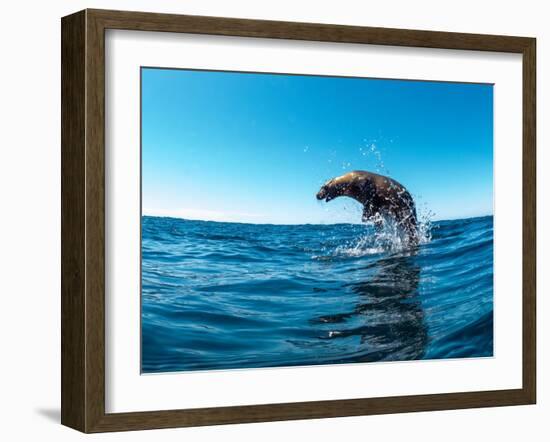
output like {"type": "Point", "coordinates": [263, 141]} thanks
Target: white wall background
{"type": "Point", "coordinates": [30, 220]}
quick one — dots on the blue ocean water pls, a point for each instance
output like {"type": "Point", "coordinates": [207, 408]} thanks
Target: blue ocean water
{"type": "Point", "coordinates": [229, 295]}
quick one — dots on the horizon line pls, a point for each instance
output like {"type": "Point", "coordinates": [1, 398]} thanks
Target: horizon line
{"type": "Point", "coordinates": [297, 224]}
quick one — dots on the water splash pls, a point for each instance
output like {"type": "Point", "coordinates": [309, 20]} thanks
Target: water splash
{"type": "Point", "coordinates": [425, 223]}
{"type": "Point", "coordinates": [386, 237]}
{"type": "Point", "coordinates": [371, 149]}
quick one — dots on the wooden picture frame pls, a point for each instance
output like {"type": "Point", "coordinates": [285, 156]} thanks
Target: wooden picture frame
{"type": "Point", "coordinates": [83, 220]}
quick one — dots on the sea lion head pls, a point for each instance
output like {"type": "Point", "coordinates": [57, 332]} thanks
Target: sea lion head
{"type": "Point", "coordinates": [331, 190]}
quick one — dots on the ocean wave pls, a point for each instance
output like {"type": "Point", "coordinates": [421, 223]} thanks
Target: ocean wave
{"type": "Point", "coordinates": [225, 295]}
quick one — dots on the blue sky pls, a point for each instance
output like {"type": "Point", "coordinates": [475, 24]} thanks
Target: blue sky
{"type": "Point", "coordinates": [256, 148]}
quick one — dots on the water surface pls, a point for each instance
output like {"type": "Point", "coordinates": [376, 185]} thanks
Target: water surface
{"type": "Point", "coordinates": [229, 295]}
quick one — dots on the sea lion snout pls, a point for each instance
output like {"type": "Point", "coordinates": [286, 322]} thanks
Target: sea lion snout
{"type": "Point", "coordinates": [323, 193]}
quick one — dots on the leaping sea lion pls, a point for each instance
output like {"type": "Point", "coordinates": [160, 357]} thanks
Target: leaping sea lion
{"type": "Point", "coordinates": [380, 196]}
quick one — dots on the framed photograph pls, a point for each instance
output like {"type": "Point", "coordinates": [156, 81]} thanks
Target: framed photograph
{"type": "Point", "coordinates": [269, 220]}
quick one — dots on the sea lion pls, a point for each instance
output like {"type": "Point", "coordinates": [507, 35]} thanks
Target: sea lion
{"type": "Point", "coordinates": [380, 196]}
